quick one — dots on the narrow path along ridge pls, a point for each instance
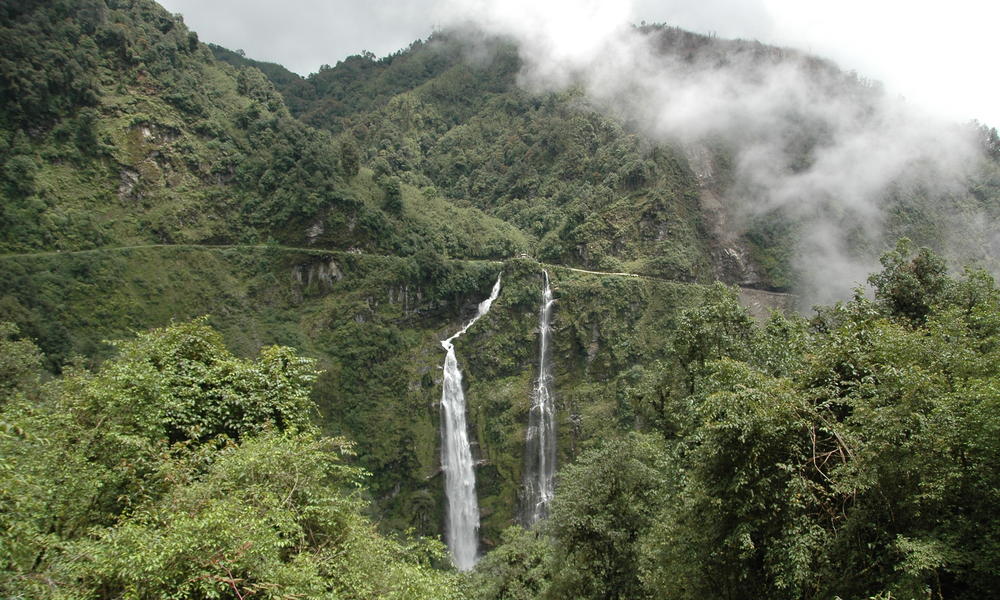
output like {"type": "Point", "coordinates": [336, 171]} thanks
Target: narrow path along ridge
{"type": "Point", "coordinates": [335, 251]}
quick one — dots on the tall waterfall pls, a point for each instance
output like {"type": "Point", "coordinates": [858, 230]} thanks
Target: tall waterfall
{"type": "Point", "coordinates": [462, 526]}
{"type": "Point", "coordinates": [540, 446]}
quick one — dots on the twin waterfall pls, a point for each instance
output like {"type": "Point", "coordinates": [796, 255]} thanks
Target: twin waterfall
{"type": "Point", "coordinates": [540, 445]}
{"type": "Point", "coordinates": [462, 524]}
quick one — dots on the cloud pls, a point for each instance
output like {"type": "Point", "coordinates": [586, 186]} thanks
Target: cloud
{"type": "Point", "coordinates": [939, 57]}
{"type": "Point", "coordinates": [750, 101]}
{"type": "Point", "coordinates": [936, 54]}
{"type": "Point", "coordinates": [748, 19]}
{"type": "Point", "coordinates": [812, 144]}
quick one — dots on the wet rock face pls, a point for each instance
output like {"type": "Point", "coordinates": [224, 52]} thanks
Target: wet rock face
{"type": "Point", "coordinates": [734, 266]}
{"type": "Point", "coordinates": [730, 254]}
{"type": "Point", "coordinates": [154, 133]}
{"type": "Point", "coordinates": [314, 231]}
{"type": "Point", "coordinates": [148, 161]}
{"type": "Point", "coordinates": [761, 303]}
{"type": "Point", "coordinates": [322, 274]}
{"type": "Point", "coordinates": [129, 179]}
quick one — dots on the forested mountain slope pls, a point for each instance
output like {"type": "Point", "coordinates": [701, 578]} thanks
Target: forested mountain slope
{"type": "Point", "coordinates": [199, 174]}
{"type": "Point", "coordinates": [120, 128]}
{"type": "Point", "coordinates": [358, 215]}
{"type": "Point", "coordinates": [591, 184]}
{"type": "Point", "coordinates": [850, 456]}
{"type": "Point", "coordinates": [447, 115]}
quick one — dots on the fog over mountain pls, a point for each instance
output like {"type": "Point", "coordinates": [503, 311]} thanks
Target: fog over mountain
{"type": "Point", "coordinates": [858, 152]}
{"type": "Point", "coordinates": [314, 392]}
{"type": "Point", "coordinates": [935, 58]}
{"type": "Point", "coordinates": [812, 144]}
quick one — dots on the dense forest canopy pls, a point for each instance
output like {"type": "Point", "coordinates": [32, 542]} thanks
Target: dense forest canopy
{"type": "Point", "coordinates": [179, 470]}
{"type": "Point", "coordinates": [223, 288]}
{"type": "Point", "coordinates": [853, 454]}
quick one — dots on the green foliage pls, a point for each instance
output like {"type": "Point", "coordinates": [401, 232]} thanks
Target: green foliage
{"type": "Point", "coordinates": [519, 569]}
{"type": "Point", "coordinates": [269, 518]}
{"type": "Point", "coordinates": [589, 190]}
{"type": "Point", "coordinates": [719, 328]}
{"type": "Point", "coordinates": [773, 238]}
{"type": "Point", "coordinates": [852, 459]}
{"type": "Point", "coordinates": [20, 363]}
{"type": "Point", "coordinates": [178, 470]}
{"type": "Point", "coordinates": [393, 202]}
{"type": "Point", "coordinates": [842, 480]}
{"type": "Point", "coordinates": [332, 96]}
{"type": "Point", "coordinates": [738, 526]}
{"type": "Point", "coordinates": [909, 286]}
{"type": "Point", "coordinates": [559, 173]}
{"type": "Point", "coordinates": [373, 323]}
{"type": "Point", "coordinates": [606, 502]}
{"type": "Point", "coordinates": [44, 74]}
{"type": "Point", "coordinates": [188, 387]}
{"type": "Point", "coordinates": [292, 87]}
{"type": "Point", "coordinates": [129, 132]}
{"type": "Point", "coordinates": [350, 158]}
{"type": "Point", "coordinates": [856, 458]}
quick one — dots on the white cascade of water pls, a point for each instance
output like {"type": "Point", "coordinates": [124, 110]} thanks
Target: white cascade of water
{"type": "Point", "coordinates": [540, 445]}
{"type": "Point", "coordinates": [462, 525]}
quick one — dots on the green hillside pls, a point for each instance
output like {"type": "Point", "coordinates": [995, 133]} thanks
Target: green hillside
{"type": "Point", "coordinates": [223, 288]}
{"type": "Point", "coordinates": [374, 324]}
{"type": "Point", "coordinates": [596, 191]}
{"type": "Point", "coordinates": [154, 141]}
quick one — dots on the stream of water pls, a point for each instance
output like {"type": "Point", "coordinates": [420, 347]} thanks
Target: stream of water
{"type": "Point", "coordinates": [540, 444]}
{"type": "Point", "coordinates": [462, 521]}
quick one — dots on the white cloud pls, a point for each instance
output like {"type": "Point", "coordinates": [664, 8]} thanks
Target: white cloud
{"type": "Point", "coordinates": [809, 141]}
{"type": "Point", "coordinates": [304, 34]}
{"type": "Point", "coordinates": [938, 56]}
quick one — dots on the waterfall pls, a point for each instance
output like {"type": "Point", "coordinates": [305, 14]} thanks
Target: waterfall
{"type": "Point", "coordinates": [462, 525]}
{"type": "Point", "coordinates": [540, 445]}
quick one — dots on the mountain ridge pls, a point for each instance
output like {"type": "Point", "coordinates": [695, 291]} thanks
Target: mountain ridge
{"type": "Point", "coordinates": [360, 213]}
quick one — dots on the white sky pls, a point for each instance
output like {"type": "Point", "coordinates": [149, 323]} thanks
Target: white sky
{"type": "Point", "coordinates": [941, 56]}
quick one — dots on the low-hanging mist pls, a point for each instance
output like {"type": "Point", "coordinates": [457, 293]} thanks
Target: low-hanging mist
{"type": "Point", "coordinates": [805, 143]}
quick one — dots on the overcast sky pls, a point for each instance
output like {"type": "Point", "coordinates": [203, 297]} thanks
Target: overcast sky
{"type": "Point", "coordinates": [939, 55]}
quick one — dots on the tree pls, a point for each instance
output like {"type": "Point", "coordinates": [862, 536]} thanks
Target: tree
{"type": "Point", "coordinates": [738, 524]}
{"type": "Point", "coordinates": [606, 502]}
{"type": "Point", "coordinates": [20, 363]}
{"type": "Point", "coordinates": [179, 470]}
{"type": "Point", "coordinates": [520, 568]}
{"type": "Point", "coordinates": [273, 517]}
{"type": "Point", "coordinates": [909, 282]}
{"type": "Point", "coordinates": [350, 157]}
{"type": "Point", "coordinates": [718, 328]}
{"type": "Point", "coordinates": [859, 471]}
{"type": "Point", "coordinates": [393, 202]}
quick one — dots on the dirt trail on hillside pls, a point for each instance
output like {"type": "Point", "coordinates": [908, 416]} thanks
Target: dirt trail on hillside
{"type": "Point", "coordinates": [760, 303]}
